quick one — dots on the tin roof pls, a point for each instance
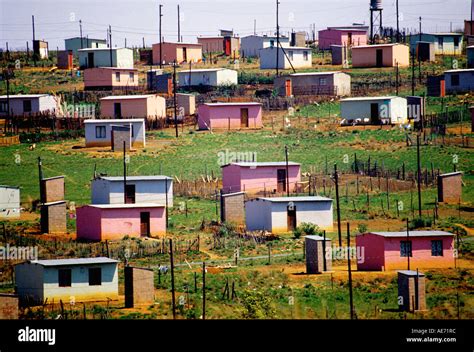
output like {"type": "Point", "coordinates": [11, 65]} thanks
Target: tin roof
{"type": "Point", "coordinates": [233, 103]}
{"type": "Point", "coordinates": [135, 178]}
{"type": "Point", "coordinates": [5, 186]}
{"type": "Point", "coordinates": [375, 46]}
{"type": "Point", "coordinates": [451, 174]}
{"type": "Point", "coordinates": [102, 49]}
{"type": "Point", "coordinates": [126, 206]}
{"type": "Point", "coordinates": [314, 73]}
{"type": "Point", "coordinates": [130, 97]}
{"type": "Point", "coordinates": [206, 70]}
{"type": "Point", "coordinates": [296, 199]}
{"type": "Point", "coordinates": [74, 261]}
{"type": "Point", "coordinates": [370, 98]}
{"type": "Point", "coordinates": [317, 238]}
{"type": "Point", "coordinates": [262, 164]}
{"type": "Point", "coordinates": [460, 70]}
{"type": "Point", "coordinates": [119, 121]}
{"type": "Point", "coordinates": [413, 234]}
{"type": "Point", "coordinates": [410, 273]}
{"type": "Point", "coordinates": [24, 96]}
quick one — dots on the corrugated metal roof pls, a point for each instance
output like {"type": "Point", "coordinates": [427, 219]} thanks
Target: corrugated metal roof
{"type": "Point", "coordinates": [296, 199]}
{"type": "Point", "coordinates": [135, 178]}
{"type": "Point", "coordinates": [460, 70]}
{"type": "Point", "coordinates": [5, 186]}
{"type": "Point", "coordinates": [451, 174]}
{"type": "Point", "coordinates": [102, 49]}
{"type": "Point", "coordinates": [370, 98]}
{"type": "Point", "coordinates": [126, 206]}
{"type": "Point", "coordinates": [233, 104]}
{"type": "Point", "coordinates": [413, 234]}
{"type": "Point", "coordinates": [131, 97]}
{"type": "Point", "coordinates": [75, 261]}
{"type": "Point", "coordinates": [410, 272]}
{"type": "Point", "coordinates": [264, 164]}
{"type": "Point", "coordinates": [375, 46]}
{"type": "Point", "coordinates": [206, 70]}
{"type": "Point", "coordinates": [315, 73]}
{"type": "Point", "coordinates": [24, 96]}
{"type": "Point", "coordinates": [114, 121]}
{"type": "Point", "coordinates": [317, 238]}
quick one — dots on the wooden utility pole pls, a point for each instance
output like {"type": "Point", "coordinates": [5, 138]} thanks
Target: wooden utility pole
{"type": "Point", "coordinates": [336, 180]}
{"type": "Point", "coordinates": [173, 302]}
{"type": "Point", "coordinates": [406, 247]}
{"type": "Point", "coordinates": [161, 44]}
{"type": "Point", "coordinates": [179, 27]}
{"type": "Point", "coordinates": [413, 72]}
{"type": "Point", "coordinates": [80, 30]}
{"type": "Point", "coordinates": [175, 103]}
{"type": "Point", "coordinates": [40, 172]}
{"type": "Point", "coordinates": [287, 172]}
{"type": "Point", "coordinates": [398, 24]}
{"type": "Point", "coordinates": [351, 300]}
{"type": "Point", "coordinates": [203, 290]}
{"type": "Point", "coordinates": [420, 29]}
{"type": "Point", "coordinates": [33, 24]}
{"type": "Point", "coordinates": [124, 174]}
{"type": "Point", "coordinates": [278, 38]}
{"type": "Point", "coordinates": [110, 47]}
{"type": "Point", "coordinates": [418, 178]}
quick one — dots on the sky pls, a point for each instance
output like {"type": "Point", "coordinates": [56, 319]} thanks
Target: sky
{"type": "Point", "coordinates": [136, 19]}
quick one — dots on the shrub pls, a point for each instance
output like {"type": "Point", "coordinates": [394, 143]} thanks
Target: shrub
{"type": "Point", "coordinates": [257, 305]}
{"type": "Point", "coordinates": [306, 229]}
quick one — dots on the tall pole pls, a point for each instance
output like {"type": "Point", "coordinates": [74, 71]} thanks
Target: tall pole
{"type": "Point", "coordinates": [472, 9]}
{"type": "Point", "coordinates": [80, 30]}
{"type": "Point", "coordinates": [254, 27]}
{"type": "Point", "coordinates": [110, 48]}
{"type": "Point", "coordinates": [179, 27]}
{"type": "Point", "coordinates": [203, 290]}
{"type": "Point", "coordinates": [413, 72]}
{"type": "Point", "coordinates": [336, 180]}
{"type": "Point", "coordinates": [420, 29]}
{"type": "Point", "coordinates": [278, 38]}
{"type": "Point", "coordinates": [351, 300]}
{"type": "Point", "coordinates": [398, 24]}
{"type": "Point", "coordinates": [173, 302]}
{"type": "Point", "coordinates": [174, 100]}
{"type": "Point", "coordinates": [161, 44]}
{"type": "Point", "coordinates": [406, 247]}
{"type": "Point", "coordinates": [124, 174]}
{"type": "Point", "coordinates": [40, 171]}
{"type": "Point", "coordinates": [287, 172]}
{"type": "Point", "coordinates": [418, 172]}
{"type": "Point", "coordinates": [33, 24]}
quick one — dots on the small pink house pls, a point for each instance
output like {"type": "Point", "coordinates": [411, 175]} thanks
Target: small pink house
{"type": "Point", "coordinates": [256, 177]}
{"type": "Point", "coordinates": [100, 222]}
{"type": "Point", "coordinates": [381, 55]}
{"type": "Point", "coordinates": [179, 52]}
{"type": "Point", "coordinates": [230, 116]}
{"type": "Point", "coordinates": [390, 250]}
{"type": "Point", "coordinates": [348, 36]}
{"type": "Point", "coordinates": [109, 78]}
{"type": "Point", "coordinates": [133, 106]}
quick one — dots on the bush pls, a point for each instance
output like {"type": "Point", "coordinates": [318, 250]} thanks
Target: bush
{"type": "Point", "coordinates": [257, 305]}
{"type": "Point", "coordinates": [362, 228]}
{"type": "Point", "coordinates": [419, 223]}
{"type": "Point", "coordinates": [306, 229]}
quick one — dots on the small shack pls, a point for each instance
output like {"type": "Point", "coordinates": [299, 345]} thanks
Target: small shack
{"type": "Point", "coordinates": [179, 52]}
{"type": "Point", "coordinates": [121, 138]}
{"type": "Point", "coordinates": [316, 248]}
{"type": "Point", "coordinates": [375, 110]}
{"type": "Point", "coordinates": [266, 177]}
{"type": "Point", "coordinates": [284, 214]}
{"type": "Point", "coordinates": [296, 57]}
{"type": "Point", "coordinates": [139, 286]}
{"type": "Point", "coordinates": [232, 208]}
{"type": "Point", "coordinates": [159, 82]}
{"type": "Point", "coordinates": [340, 55]}
{"type": "Point", "coordinates": [110, 78]}
{"type": "Point", "coordinates": [85, 279]}
{"type": "Point", "coordinates": [450, 187]}
{"type": "Point", "coordinates": [28, 104]}
{"type": "Point", "coordinates": [425, 51]}
{"type": "Point", "coordinates": [133, 106]}
{"type": "Point", "coordinates": [186, 104]}
{"type": "Point", "coordinates": [252, 45]}
{"type": "Point", "coordinates": [105, 57]}
{"type": "Point", "coordinates": [64, 60]}
{"type": "Point", "coordinates": [211, 77]}
{"type": "Point", "coordinates": [445, 43]}
{"type": "Point", "coordinates": [227, 45]}
{"type": "Point", "coordinates": [381, 55]}
{"type": "Point", "coordinates": [332, 83]}
{"type": "Point", "coordinates": [53, 217]}
{"type": "Point", "coordinates": [100, 222]}
{"type": "Point", "coordinates": [411, 291]}
{"type": "Point", "coordinates": [9, 202]}
{"type": "Point", "coordinates": [52, 189]}
{"type": "Point", "coordinates": [40, 49]}
{"type": "Point", "coordinates": [459, 81]}
{"type": "Point", "coordinates": [229, 116]}
{"type": "Point", "coordinates": [99, 132]}
{"type": "Point", "coordinates": [77, 43]}
{"type": "Point", "coordinates": [139, 189]}
{"type": "Point", "coordinates": [397, 250]}
{"type": "Point", "coordinates": [348, 36]}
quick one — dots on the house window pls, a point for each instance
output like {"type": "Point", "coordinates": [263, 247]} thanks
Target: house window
{"type": "Point", "coordinates": [437, 248]}
{"type": "Point", "coordinates": [455, 80]}
{"type": "Point", "coordinates": [26, 105]}
{"type": "Point", "coordinates": [272, 43]}
{"type": "Point", "coordinates": [440, 42]}
{"type": "Point", "coordinates": [322, 81]}
{"type": "Point", "coordinates": [99, 131]}
{"type": "Point", "coordinates": [3, 107]}
{"type": "Point", "coordinates": [132, 130]}
{"type": "Point", "coordinates": [95, 276]}
{"type": "Point", "coordinates": [117, 76]}
{"type": "Point", "coordinates": [131, 76]}
{"type": "Point", "coordinates": [64, 277]}
{"type": "Point", "coordinates": [456, 42]}
{"type": "Point", "coordinates": [405, 249]}
{"type": "Point", "coordinates": [305, 55]}
{"type": "Point", "coordinates": [290, 55]}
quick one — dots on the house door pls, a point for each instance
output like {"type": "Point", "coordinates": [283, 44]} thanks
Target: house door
{"type": "Point", "coordinates": [379, 58]}
{"type": "Point", "coordinates": [244, 117]}
{"type": "Point", "coordinates": [144, 224]}
{"type": "Point", "coordinates": [90, 60]}
{"type": "Point", "coordinates": [227, 48]}
{"type": "Point", "coordinates": [117, 110]}
{"type": "Point", "coordinates": [281, 180]}
{"type": "Point", "coordinates": [349, 39]}
{"type": "Point", "coordinates": [129, 194]}
{"type": "Point", "coordinates": [374, 113]}
{"type": "Point", "coordinates": [185, 55]}
{"type": "Point", "coordinates": [291, 217]}
{"type": "Point", "coordinates": [288, 88]}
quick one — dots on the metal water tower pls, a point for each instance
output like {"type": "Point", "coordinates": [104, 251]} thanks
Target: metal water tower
{"type": "Point", "coordinates": [375, 18]}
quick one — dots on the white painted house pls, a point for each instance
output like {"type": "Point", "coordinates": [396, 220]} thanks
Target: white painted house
{"type": "Point", "coordinates": [77, 43]}
{"type": "Point", "coordinates": [9, 202]}
{"type": "Point", "coordinates": [213, 77]}
{"type": "Point", "coordinates": [299, 57]}
{"type": "Point", "coordinates": [284, 214]}
{"type": "Point", "coordinates": [105, 57]}
{"type": "Point", "coordinates": [332, 83]}
{"type": "Point", "coordinates": [251, 45]}
{"type": "Point", "coordinates": [85, 279]}
{"type": "Point", "coordinates": [28, 104]}
{"type": "Point", "coordinates": [139, 189]}
{"type": "Point", "coordinates": [374, 110]}
{"type": "Point", "coordinates": [99, 132]}
{"type": "Point", "coordinates": [459, 81]}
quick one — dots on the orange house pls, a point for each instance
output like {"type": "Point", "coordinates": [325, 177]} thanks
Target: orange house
{"type": "Point", "coordinates": [381, 55]}
{"type": "Point", "coordinates": [179, 52]}
{"type": "Point", "coordinates": [109, 78]}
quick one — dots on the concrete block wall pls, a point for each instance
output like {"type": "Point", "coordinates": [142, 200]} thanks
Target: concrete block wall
{"type": "Point", "coordinates": [139, 286]}
{"type": "Point", "coordinates": [52, 189]}
{"type": "Point", "coordinates": [450, 188]}
{"type": "Point", "coordinates": [233, 209]}
{"type": "Point", "coordinates": [8, 306]}
{"type": "Point", "coordinates": [53, 218]}
{"type": "Point", "coordinates": [413, 298]}
{"type": "Point", "coordinates": [315, 254]}
{"type": "Point", "coordinates": [121, 135]}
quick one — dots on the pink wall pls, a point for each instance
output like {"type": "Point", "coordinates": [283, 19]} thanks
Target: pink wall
{"type": "Point", "coordinates": [173, 51]}
{"type": "Point", "coordinates": [367, 56]}
{"type": "Point", "coordinates": [328, 37]}
{"type": "Point", "coordinates": [385, 252]}
{"type": "Point", "coordinates": [236, 178]}
{"type": "Point", "coordinates": [140, 107]}
{"type": "Point", "coordinates": [228, 116]}
{"type": "Point", "coordinates": [105, 77]}
{"type": "Point", "coordinates": [101, 224]}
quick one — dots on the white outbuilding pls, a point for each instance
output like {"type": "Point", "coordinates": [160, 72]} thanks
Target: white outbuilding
{"type": "Point", "coordinates": [105, 57]}
{"type": "Point", "coordinates": [374, 110]}
{"type": "Point", "coordinates": [298, 57]}
{"type": "Point", "coordinates": [207, 77]}
{"type": "Point", "coordinates": [284, 214]}
{"type": "Point", "coordinates": [99, 132]}
{"type": "Point", "coordinates": [21, 104]}
{"type": "Point", "coordinates": [9, 202]}
{"type": "Point", "coordinates": [251, 45]}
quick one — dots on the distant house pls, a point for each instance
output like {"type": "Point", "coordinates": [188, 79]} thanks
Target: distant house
{"type": "Point", "coordinates": [64, 60]}
{"type": "Point", "coordinates": [296, 57]}
{"type": "Point", "coordinates": [425, 51]}
{"type": "Point", "coordinates": [230, 46]}
{"type": "Point", "coordinates": [85, 279]}
{"type": "Point", "coordinates": [212, 77]}
{"type": "Point", "coordinates": [78, 43]}
{"type": "Point", "coordinates": [115, 57]}
{"type": "Point", "coordinates": [251, 45]}
{"type": "Point", "coordinates": [99, 132]}
{"type": "Point", "coordinates": [41, 49]}
{"type": "Point", "coordinates": [9, 202]}
{"type": "Point", "coordinates": [100, 222]}
{"type": "Point", "coordinates": [28, 104]}
{"type": "Point", "coordinates": [186, 104]}
{"type": "Point", "coordinates": [459, 81]}
{"type": "Point", "coordinates": [375, 110]}
{"type": "Point", "coordinates": [132, 106]}
{"type": "Point", "coordinates": [390, 250]}
{"type": "Point", "coordinates": [230, 115]}
{"type": "Point", "coordinates": [179, 52]}
{"type": "Point", "coordinates": [381, 55]}
{"type": "Point", "coordinates": [470, 56]}
{"type": "Point", "coordinates": [109, 78]}
{"type": "Point", "coordinates": [253, 177]}
{"type": "Point", "coordinates": [317, 83]}
{"type": "Point", "coordinates": [445, 43]}
{"type": "Point", "coordinates": [348, 36]}
{"type": "Point", "coordinates": [284, 214]}
{"type": "Point", "coordinates": [139, 189]}
{"type": "Point", "coordinates": [159, 82]}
